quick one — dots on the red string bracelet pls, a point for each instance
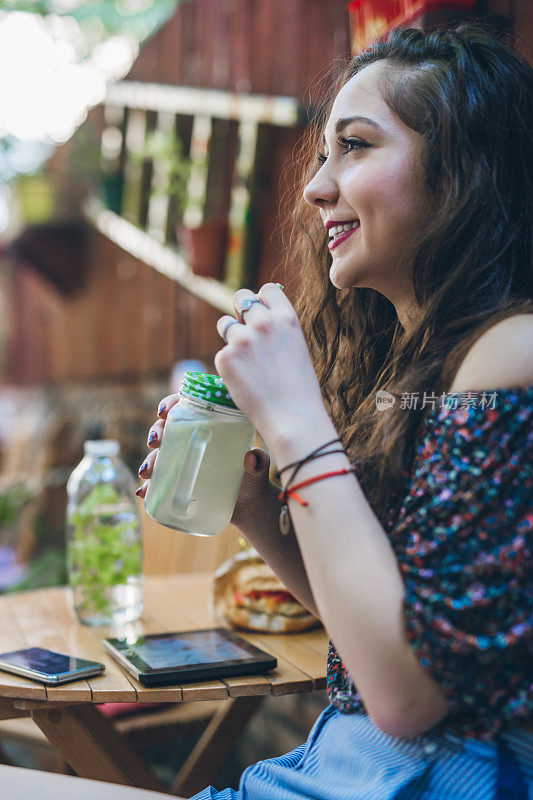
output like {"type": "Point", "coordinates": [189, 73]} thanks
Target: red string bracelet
{"type": "Point", "coordinates": [290, 491]}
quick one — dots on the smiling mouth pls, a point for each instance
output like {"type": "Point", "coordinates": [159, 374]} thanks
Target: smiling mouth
{"type": "Point", "coordinates": [340, 233]}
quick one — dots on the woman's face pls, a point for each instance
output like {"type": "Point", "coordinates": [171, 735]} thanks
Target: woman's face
{"type": "Point", "coordinates": [372, 181]}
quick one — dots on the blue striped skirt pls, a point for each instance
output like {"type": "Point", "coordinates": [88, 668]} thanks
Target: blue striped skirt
{"type": "Point", "coordinates": [347, 758]}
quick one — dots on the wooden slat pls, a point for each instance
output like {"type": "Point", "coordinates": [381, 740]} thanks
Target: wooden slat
{"type": "Point", "coordinates": [187, 100]}
{"type": "Point", "coordinates": [188, 45]}
{"type": "Point", "coordinates": [12, 638]}
{"type": "Point", "coordinates": [183, 132]}
{"type": "Point", "coordinates": [221, 33]}
{"type": "Point", "coordinates": [158, 694]}
{"type": "Point", "coordinates": [146, 173]}
{"type": "Point", "coordinates": [262, 34]}
{"type": "Point", "coordinates": [240, 202]}
{"type": "Point", "coordinates": [295, 652]}
{"type": "Point", "coordinates": [222, 155]}
{"type": "Point", "coordinates": [39, 705]}
{"type": "Point", "coordinates": [204, 690]}
{"type": "Point", "coordinates": [317, 639]}
{"type": "Point", "coordinates": [248, 686]}
{"type": "Point", "coordinates": [133, 170]}
{"type": "Point", "coordinates": [288, 65]}
{"type": "Point", "coordinates": [158, 200]}
{"type": "Point", "coordinates": [197, 185]}
{"type": "Point", "coordinates": [111, 687]}
{"type": "Point", "coordinates": [40, 630]}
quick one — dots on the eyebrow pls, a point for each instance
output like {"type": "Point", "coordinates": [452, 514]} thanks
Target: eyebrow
{"type": "Point", "coordinates": [342, 123]}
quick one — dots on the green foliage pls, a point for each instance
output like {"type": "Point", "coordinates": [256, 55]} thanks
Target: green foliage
{"type": "Point", "coordinates": [84, 158]}
{"type": "Point", "coordinates": [12, 501]}
{"type": "Point", "coordinates": [165, 149]}
{"type": "Point", "coordinates": [34, 6]}
{"type": "Point", "coordinates": [114, 15]}
{"type": "Point", "coordinates": [104, 549]}
{"type": "Point", "coordinates": [48, 569]}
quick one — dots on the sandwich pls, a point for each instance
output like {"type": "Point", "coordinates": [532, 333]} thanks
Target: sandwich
{"type": "Point", "coordinates": [248, 594]}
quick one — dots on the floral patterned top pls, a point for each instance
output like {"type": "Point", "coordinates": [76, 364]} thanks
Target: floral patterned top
{"type": "Point", "coordinates": [463, 540]}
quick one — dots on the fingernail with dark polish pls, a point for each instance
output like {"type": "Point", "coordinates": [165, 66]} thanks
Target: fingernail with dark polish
{"type": "Point", "coordinates": [152, 438]}
{"type": "Point", "coordinates": [142, 468]}
{"type": "Point", "coordinates": [139, 490]}
{"type": "Point", "coordinates": [162, 408]}
{"type": "Point", "coordinates": [257, 460]}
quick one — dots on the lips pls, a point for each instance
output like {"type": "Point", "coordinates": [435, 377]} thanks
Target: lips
{"type": "Point", "coordinates": [341, 237]}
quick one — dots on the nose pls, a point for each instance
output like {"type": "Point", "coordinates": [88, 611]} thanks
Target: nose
{"type": "Point", "coordinates": [322, 188]}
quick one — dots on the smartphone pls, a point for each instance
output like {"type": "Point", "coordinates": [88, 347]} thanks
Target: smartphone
{"type": "Point", "coordinates": [48, 666]}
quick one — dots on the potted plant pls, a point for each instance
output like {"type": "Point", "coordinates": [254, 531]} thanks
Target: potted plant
{"type": "Point", "coordinates": [37, 198]}
{"type": "Point", "coordinates": [204, 246]}
{"type": "Point", "coordinates": [202, 241]}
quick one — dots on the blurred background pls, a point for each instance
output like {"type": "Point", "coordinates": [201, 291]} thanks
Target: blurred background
{"type": "Point", "coordinates": [146, 149]}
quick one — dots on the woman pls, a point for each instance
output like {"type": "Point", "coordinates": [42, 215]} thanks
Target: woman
{"type": "Point", "coordinates": [419, 564]}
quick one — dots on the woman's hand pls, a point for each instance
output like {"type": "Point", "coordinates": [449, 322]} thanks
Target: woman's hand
{"type": "Point", "coordinates": [155, 434]}
{"type": "Point", "coordinates": [266, 364]}
{"type": "Point", "coordinates": [256, 465]}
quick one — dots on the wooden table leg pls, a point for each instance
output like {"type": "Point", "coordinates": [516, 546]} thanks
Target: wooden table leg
{"type": "Point", "coordinates": [8, 709]}
{"type": "Point", "coordinates": [93, 749]}
{"type": "Point", "coordinates": [215, 744]}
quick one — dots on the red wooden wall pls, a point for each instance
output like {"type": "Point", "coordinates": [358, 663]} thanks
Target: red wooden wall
{"type": "Point", "coordinates": [260, 46]}
{"type": "Point", "coordinates": [129, 319]}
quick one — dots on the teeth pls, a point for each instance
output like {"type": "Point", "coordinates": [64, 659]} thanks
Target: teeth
{"type": "Point", "coordinates": [337, 229]}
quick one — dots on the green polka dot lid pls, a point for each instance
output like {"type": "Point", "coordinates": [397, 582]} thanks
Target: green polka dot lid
{"type": "Point", "coordinates": [209, 388]}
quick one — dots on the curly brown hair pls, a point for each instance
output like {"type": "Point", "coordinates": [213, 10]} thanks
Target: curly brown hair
{"type": "Point", "coordinates": [471, 98]}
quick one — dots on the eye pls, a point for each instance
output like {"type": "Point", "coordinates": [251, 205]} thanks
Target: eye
{"type": "Point", "coordinates": [348, 145]}
{"type": "Point", "coordinates": [351, 144]}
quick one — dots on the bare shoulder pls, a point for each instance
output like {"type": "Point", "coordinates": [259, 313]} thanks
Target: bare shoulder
{"type": "Point", "coordinates": [501, 358]}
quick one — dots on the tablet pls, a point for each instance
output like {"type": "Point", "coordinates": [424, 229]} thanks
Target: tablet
{"type": "Point", "coordinates": [159, 659]}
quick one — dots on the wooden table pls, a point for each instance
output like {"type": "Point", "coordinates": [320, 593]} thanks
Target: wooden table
{"type": "Point", "coordinates": [87, 740]}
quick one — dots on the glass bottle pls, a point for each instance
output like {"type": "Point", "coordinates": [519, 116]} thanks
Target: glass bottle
{"type": "Point", "coordinates": [199, 466]}
{"type": "Point", "coordinates": [104, 544]}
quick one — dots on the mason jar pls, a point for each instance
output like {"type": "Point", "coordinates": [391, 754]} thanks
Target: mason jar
{"type": "Point", "coordinates": [199, 467]}
{"type": "Point", "coordinates": [104, 545]}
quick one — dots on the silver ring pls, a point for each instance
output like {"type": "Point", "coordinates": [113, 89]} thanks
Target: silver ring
{"type": "Point", "coordinates": [228, 325]}
{"type": "Point", "coordinates": [248, 302]}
